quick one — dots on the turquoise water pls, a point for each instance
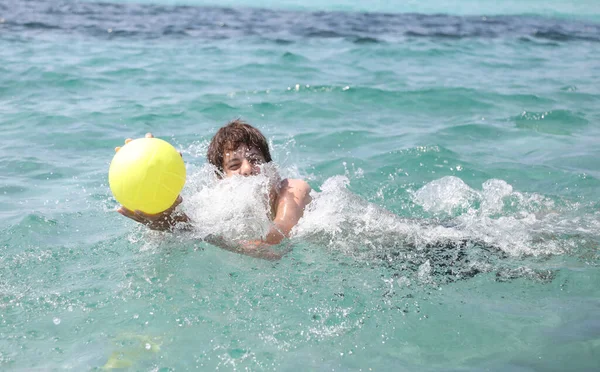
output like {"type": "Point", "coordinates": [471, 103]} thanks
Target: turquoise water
{"type": "Point", "coordinates": [452, 148]}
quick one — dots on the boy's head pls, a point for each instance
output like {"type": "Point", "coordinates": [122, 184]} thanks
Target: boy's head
{"type": "Point", "coordinates": [238, 148]}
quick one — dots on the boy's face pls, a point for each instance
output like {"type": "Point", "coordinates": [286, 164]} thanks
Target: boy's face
{"type": "Point", "coordinates": [243, 161]}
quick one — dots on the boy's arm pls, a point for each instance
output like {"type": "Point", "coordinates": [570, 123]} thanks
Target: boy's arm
{"type": "Point", "coordinates": [294, 196]}
{"type": "Point", "coordinates": [256, 249]}
{"type": "Point", "coordinates": [168, 221]}
{"type": "Point", "coordinates": [293, 199]}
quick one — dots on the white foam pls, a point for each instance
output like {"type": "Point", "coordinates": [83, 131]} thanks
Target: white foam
{"type": "Point", "coordinates": [235, 208]}
{"type": "Point", "coordinates": [447, 195]}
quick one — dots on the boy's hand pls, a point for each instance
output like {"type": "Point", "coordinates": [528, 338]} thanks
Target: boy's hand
{"type": "Point", "coordinates": [160, 221]}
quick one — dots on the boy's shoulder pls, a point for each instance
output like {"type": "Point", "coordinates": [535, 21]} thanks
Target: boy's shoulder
{"type": "Point", "coordinates": [295, 186]}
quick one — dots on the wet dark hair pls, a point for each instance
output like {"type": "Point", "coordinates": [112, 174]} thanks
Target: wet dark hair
{"type": "Point", "coordinates": [232, 136]}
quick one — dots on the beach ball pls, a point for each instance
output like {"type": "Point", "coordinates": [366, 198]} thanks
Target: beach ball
{"type": "Point", "coordinates": [147, 174]}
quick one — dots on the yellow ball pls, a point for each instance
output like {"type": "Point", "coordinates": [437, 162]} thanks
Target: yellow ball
{"type": "Point", "coordinates": [147, 174]}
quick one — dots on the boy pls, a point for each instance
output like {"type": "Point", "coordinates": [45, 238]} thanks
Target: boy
{"type": "Point", "coordinates": [239, 149]}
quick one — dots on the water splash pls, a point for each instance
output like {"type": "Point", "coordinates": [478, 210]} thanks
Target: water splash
{"type": "Point", "coordinates": [235, 208]}
{"type": "Point", "coordinates": [470, 232]}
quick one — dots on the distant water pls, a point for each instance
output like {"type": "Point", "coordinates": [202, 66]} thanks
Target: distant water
{"type": "Point", "coordinates": [452, 147]}
{"type": "Point", "coordinates": [589, 9]}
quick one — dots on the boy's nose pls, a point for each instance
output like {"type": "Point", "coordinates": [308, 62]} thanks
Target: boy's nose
{"type": "Point", "coordinates": [246, 168]}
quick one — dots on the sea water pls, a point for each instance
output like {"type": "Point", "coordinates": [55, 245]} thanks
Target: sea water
{"type": "Point", "coordinates": [452, 148]}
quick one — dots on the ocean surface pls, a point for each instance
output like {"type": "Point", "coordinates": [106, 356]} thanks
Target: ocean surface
{"type": "Point", "coordinates": [453, 149]}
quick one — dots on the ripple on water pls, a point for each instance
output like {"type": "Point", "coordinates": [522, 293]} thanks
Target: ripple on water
{"type": "Point", "coordinates": [556, 122]}
{"type": "Point", "coordinates": [32, 168]}
{"type": "Point", "coordinates": [470, 132]}
{"type": "Point", "coordinates": [13, 188]}
{"type": "Point", "coordinates": [293, 57]}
